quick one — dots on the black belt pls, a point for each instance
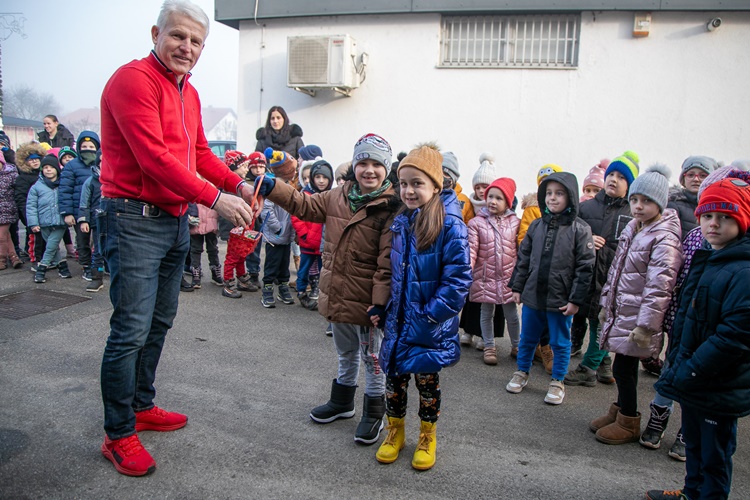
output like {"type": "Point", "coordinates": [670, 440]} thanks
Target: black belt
{"type": "Point", "coordinates": [136, 207]}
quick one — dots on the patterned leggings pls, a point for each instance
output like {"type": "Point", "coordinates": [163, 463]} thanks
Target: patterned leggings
{"type": "Point", "coordinates": [428, 385]}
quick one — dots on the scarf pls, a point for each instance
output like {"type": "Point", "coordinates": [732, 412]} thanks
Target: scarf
{"type": "Point", "coordinates": [357, 200]}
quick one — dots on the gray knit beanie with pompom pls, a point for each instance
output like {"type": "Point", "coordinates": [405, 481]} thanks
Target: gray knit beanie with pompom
{"type": "Point", "coordinates": [653, 184]}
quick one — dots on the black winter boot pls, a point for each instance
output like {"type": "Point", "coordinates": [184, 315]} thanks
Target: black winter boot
{"type": "Point", "coordinates": [368, 430]}
{"type": "Point", "coordinates": [41, 269]}
{"type": "Point", "coordinates": [657, 424]}
{"type": "Point", "coordinates": [341, 404]}
{"type": "Point", "coordinates": [63, 270]}
{"type": "Point", "coordinates": [96, 283]}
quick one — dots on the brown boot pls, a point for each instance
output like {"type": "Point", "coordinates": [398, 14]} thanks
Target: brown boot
{"type": "Point", "coordinates": [3, 262]}
{"type": "Point", "coordinates": [605, 420]}
{"type": "Point", "coordinates": [624, 430]}
{"type": "Point", "coordinates": [548, 358]}
{"type": "Point", "coordinates": [15, 261]}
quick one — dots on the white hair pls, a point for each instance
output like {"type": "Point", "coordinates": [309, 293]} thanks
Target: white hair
{"type": "Point", "coordinates": [185, 8]}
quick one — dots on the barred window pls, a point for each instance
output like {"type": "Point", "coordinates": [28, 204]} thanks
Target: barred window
{"type": "Point", "coordinates": [524, 41]}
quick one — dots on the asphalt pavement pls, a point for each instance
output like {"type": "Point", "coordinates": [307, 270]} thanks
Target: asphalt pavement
{"type": "Point", "coordinates": [247, 378]}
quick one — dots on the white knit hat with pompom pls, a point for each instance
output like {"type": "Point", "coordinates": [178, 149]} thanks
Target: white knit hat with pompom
{"type": "Point", "coordinates": [487, 172]}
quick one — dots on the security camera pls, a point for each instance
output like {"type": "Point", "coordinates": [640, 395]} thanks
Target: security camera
{"type": "Point", "coordinates": [713, 24]}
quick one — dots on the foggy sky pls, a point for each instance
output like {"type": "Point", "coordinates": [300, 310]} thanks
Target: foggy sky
{"type": "Point", "coordinates": [73, 47]}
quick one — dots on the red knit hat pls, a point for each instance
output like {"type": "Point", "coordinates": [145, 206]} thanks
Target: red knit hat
{"type": "Point", "coordinates": [233, 159]}
{"type": "Point", "coordinates": [729, 196]}
{"type": "Point", "coordinates": [506, 185]}
{"type": "Point", "coordinates": [257, 158]}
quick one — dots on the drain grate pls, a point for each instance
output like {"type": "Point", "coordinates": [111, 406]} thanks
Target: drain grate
{"type": "Point", "coordinates": [32, 302]}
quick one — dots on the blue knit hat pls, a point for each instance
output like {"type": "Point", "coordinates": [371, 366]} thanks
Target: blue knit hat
{"type": "Point", "coordinates": [626, 164]}
{"type": "Point", "coordinates": [310, 152]}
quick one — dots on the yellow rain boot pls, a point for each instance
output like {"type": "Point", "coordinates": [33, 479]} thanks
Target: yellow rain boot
{"type": "Point", "coordinates": [424, 455]}
{"type": "Point", "coordinates": [393, 442]}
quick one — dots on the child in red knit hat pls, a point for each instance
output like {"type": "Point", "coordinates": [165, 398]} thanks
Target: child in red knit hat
{"type": "Point", "coordinates": [708, 369]}
{"type": "Point", "coordinates": [492, 241]}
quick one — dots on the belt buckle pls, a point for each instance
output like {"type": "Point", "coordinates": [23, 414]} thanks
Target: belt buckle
{"type": "Point", "coordinates": [146, 210]}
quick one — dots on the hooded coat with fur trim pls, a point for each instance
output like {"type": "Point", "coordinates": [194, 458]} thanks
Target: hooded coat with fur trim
{"type": "Point", "coordinates": [531, 212]}
{"type": "Point", "coordinates": [289, 142]}
{"type": "Point", "coordinates": [556, 258]}
{"type": "Point", "coordinates": [26, 176]}
{"type": "Point", "coordinates": [428, 291]}
{"type": "Point", "coordinates": [640, 284]}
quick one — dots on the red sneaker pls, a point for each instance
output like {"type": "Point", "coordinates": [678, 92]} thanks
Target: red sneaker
{"type": "Point", "coordinates": [128, 456]}
{"type": "Point", "coordinates": [157, 419]}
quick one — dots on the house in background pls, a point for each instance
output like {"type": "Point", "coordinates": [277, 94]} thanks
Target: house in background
{"type": "Point", "coordinates": [82, 119]}
{"type": "Point", "coordinates": [21, 130]}
{"type": "Point", "coordinates": [532, 82]}
{"type": "Point", "coordinates": [218, 123]}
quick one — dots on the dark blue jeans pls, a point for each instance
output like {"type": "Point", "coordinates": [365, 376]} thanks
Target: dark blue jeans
{"type": "Point", "coordinates": [145, 249]}
{"type": "Point", "coordinates": [710, 442]}
{"type": "Point", "coordinates": [303, 274]}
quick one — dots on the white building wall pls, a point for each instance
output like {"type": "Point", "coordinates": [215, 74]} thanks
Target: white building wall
{"type": "Point", "coordinates": [678, 92]}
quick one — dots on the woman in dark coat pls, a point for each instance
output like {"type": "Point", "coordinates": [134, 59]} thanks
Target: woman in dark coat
{"type": "Point", "coordinates": [279, 133]}
{"type": "Point", "coordinates": [55, 134]}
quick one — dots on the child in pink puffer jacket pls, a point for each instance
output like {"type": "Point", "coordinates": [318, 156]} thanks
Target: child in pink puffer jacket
{"type": "Point", "coordinates": [492, 240]}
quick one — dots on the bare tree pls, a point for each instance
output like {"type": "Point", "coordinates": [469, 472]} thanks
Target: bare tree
{"type": "Point", "coordinates": [10, 23]}
{"type": "Point", "coordinates": [23, 101]}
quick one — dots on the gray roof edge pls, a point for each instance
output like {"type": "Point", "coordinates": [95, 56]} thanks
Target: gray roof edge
{"type": "Point", "coordinates": [231, 12]}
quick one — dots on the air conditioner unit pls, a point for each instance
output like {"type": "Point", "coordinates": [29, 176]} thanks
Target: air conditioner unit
{"type": "Point", "coordinates": [316, 62]}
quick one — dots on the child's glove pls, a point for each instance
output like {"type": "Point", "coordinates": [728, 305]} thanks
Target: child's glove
{"type": "Point", "coordinates": [641, 336]}
{"type": "Point", "coordinates": [378, 311]}
{"type": "Point", "coordinates": [265, 186]}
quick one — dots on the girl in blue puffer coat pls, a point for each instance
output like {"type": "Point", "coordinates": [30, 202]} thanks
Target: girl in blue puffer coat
{"type": "Point", "coordinates": [431, 275]}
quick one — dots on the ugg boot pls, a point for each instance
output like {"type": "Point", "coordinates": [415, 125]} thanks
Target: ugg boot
{"type": "Point", "coordinates": [605, 420]}
{"type": "Point", "coordinates": [41, 270]}
{"type": "Point", "coordinates": [548, 358]}
{"type": "Point", "coordinates": [424, 455]}
{"type": "Point", "coordinates": [624, 430]}
{"type": "Point", "coordinates": [393, 442]}
{"type": "Point", "coordinates": [15, 261]}
{"type": "Point", "coordinates": [657, 424]}
{"type": "Point", "coordinates": [368, 430]}
{"type": "Point", "coordinates": [341, 404]}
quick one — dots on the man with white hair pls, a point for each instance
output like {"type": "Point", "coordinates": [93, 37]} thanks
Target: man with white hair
{"type": "Point", "coordinates": [153, 147]}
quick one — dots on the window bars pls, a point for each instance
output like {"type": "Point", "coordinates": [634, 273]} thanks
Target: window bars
{"type": "Point", "coordinates": [525, 41]}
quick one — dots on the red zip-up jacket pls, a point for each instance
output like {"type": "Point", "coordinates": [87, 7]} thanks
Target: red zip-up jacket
{"type": "Point", "coordinates": [153, 142]}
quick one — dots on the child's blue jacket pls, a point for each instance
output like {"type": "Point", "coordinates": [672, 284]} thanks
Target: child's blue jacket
{"type": "Point", "coordinates": [428, 290]}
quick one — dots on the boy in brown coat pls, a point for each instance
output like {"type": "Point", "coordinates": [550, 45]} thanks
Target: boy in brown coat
{"type": "Point", "coordinates": [356, 275]}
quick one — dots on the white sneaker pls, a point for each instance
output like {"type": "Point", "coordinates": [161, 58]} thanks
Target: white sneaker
{"type": "Point", "coordinates": [555, 393]}
{"type": "Point", "coordinates": [518, 382]}
{"type": "Point", "coordinates": [478, 342]}
{"type": "Point", "coordinates": [465, 338]}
